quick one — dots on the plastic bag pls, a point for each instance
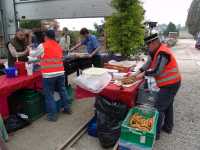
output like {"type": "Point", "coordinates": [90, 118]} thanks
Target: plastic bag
{"type": "Point", "coordinates": [114, 110]}
{"type": "Point", "coordinates": [108, 138]}
{"type": "Point", "coordinates": [15, 122]}
{"type": "Point", "coordinates": [109, 118]}
{"type": "Point", "coordinates": [152, 84]}
{"type": "Point", "coordinates": [94, 84]}
{"type": "Point", "coordinates": [146, 96]}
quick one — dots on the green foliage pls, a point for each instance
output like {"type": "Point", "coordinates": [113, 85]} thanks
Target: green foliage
{"type": "Point", "coordinates": [99, 29]}
{"type": "Point", "coordinates": [30, 24]}
{"type": "Point", "coordinates": [170, 28]}
{"type": "Point", "coordinates": [193, 19]}
{"type": "Point", "coordinates": [74, 36]}
{"type": "Point", "coordinates": [124, 29]}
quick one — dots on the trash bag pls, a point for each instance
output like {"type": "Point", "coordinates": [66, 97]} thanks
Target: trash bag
{"type": "Point", "coordinates": [115, 110]}
{"type": "Point", "coordinates": [16, 122]}
{"type": "Point", "coordinates": [109, 118]}
{"type": "Point", "coordinates": [106, 122]}
{"type": "Point", "coordinates": [108, 138]}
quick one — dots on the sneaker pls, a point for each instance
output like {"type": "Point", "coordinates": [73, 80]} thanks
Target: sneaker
{"type": "Point", "coordinates": [52, 118]}
{"type": "Point", "coordinates": [67, 111]}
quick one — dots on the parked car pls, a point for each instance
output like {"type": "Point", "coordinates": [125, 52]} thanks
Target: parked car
{"type": "Point", "coordinates": [197, 45]}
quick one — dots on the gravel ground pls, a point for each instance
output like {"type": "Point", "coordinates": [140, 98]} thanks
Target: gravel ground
{"type": "Point", "coordinates": [42, 135]}
{"type": "Point", "coordinates": [186, 133]}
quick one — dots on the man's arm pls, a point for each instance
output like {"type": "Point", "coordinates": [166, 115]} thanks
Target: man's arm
{"type": "Point", "coordinates": [14, 52]}
{"type": "Point", "coordinates": [76, 46]}
{"type": "Point", "coordinates": [146, 65]}
{"type": "Point", "coordinates": [38, 52]}
{"type": "Point", "coordinates": [162, 60]}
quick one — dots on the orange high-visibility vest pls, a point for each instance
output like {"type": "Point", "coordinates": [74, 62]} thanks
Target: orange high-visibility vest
{"type": "Point", "coordinates": [171, 74]}
{"type": "Point", "coordinates": [52, 59]}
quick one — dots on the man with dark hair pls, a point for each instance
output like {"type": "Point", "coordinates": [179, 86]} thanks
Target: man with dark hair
{"type": "Point", "coordinates": [52, 70]}
{"type": "Point", "coordinates": [18, 48]}
{"type": "Point", "coordinates": [163, 66]}
{"type": "Point", "coordinates": [92, 46]}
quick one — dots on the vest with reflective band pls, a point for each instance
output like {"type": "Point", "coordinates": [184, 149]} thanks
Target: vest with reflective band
{"type": "Point", "coordinates": [170, 75]}
{"type": "Point", "coordinates": [52, 60]}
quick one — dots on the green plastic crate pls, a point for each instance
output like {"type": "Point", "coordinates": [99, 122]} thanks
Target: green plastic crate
{"type": "Point", "coordinates": [33, 104]}
{"type": "Point", "coordinates": [135, 136]}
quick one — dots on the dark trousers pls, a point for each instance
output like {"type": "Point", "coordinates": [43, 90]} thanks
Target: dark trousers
{"type": "Point", "coordinates": [96, 61]}
{"type": "Point", "coordinates": [164, 104]}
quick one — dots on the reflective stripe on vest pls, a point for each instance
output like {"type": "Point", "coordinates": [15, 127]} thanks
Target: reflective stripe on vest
{"type": "Point", "coordinates": [174, 70]}
{"type": "Point", "coordinates": [52, 59]}
{"type": "Point", "coordinates": [168, 79]}
{"type": "Point", "coordinates": [49, 60]}
{"type": "Point", "coordinates": [52, 66]}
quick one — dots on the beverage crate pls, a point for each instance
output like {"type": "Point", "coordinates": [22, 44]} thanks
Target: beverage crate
{"type": "Point", "coordinates": [135, 136]}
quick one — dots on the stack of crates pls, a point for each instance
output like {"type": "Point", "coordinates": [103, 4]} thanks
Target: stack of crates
{"type": "Point", "coordinates": [33, 104]}
{"type": "Point", "coordinates": [134, 139]}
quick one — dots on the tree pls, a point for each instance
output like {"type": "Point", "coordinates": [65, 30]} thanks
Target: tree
{"type": "Point", "coordinates": [30, 24]}
{"type": "Point", "coordinates": [193, 19]}
{"type": "Point", "coordinates": [124, 29]}
{"type": "Point", "coordinates": [170, 28]}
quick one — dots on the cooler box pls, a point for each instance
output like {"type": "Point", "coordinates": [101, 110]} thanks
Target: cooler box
{"type": "Point", "coordinates": [135, 136]}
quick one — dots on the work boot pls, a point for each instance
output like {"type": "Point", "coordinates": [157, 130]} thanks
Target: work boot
{"type": "Point", "coordinates": [67, 111]}
{"type": "Point", "coordinates": [167, 130]}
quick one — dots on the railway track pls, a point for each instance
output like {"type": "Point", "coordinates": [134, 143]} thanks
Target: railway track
{"type": "Point", "coordinates": [70, 143]}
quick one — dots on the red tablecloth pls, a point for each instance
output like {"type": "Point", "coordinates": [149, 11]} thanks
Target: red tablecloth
{"type": "Point", "coordinates": [10, 85]}
{"type": "Point", "coordinates": [114, 93]}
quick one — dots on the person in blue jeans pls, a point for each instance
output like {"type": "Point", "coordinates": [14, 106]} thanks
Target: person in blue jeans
{"type": "Point", "coordinates": [51, 85]}
{"type": "Point", "coordinates": [52, 69]}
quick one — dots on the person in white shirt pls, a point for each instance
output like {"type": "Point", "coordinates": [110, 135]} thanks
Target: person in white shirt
{"type": "Point", "coordinates": [65, 42]}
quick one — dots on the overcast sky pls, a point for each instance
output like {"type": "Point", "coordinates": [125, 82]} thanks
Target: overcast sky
{"type": "Point", "coordinates": [162, 11]}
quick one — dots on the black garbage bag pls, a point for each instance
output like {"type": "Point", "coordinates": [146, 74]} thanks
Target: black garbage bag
{"type": "Point", "coordinates": [115, 110]}
{"type": "Point", "coordinates": [106, 122]}
{"type": "Point", "coordinates": [109, 118]}
{"type": "Point", "coordinates": [109, 137]}
{"type": "Point", "coordinates": [16, 122]}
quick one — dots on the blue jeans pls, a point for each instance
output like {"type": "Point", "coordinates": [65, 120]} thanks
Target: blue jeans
{"type": "Point", "coordinates": [50, 85]}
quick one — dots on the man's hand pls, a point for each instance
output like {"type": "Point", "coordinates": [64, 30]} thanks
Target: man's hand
{"type": "Point", "coordinates": [140, 76]}
{"type": "Point", "coordinates": [26, 52]}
